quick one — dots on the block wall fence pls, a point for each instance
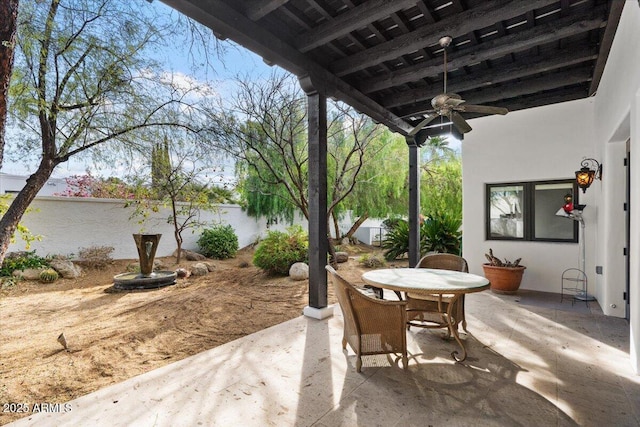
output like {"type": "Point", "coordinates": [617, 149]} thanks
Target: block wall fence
{"type": "Point", "coordinates": [67, 224]}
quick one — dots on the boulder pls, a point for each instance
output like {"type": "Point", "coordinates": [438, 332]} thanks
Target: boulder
{"type": "Point", "coordinates": [182, 273]}
{"type": "Point", "coordinates": [210, 266]}
{"type": "Point", "coordinates": [29, 273]}
{"type": "Point", "coordinates": [190, 255]}
{"type": "Point", "coordinates": [199, 269]}
{"type": "Point", "coordinates": [342, 257]}
{"type": "Point", "coordinates": [299, 271]}
{"type": "Point", "coordinates": [66, 268]}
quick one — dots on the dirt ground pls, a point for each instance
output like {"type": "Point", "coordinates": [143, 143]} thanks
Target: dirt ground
{"type": "Point", "coordinates": [115, 336]}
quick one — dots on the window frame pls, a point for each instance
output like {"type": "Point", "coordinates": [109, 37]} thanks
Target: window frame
{"type": "Point", "coordinates": [528, 210]}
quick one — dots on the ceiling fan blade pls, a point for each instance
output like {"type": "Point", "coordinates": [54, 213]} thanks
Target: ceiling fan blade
{"type": "Point", "coordinates": [423, 123]}
{"type": "Point", "coordinates": [453, 102]}
{"type": "Point", "coordinates": [459, 122]}
{"type": "Point", "coordinates": [483, 109]}
{"type": "Point", "coordinates": [454, 95]}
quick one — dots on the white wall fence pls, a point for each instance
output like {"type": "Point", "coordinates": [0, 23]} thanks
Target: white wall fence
{"type": "Point", "coordinates": [68, 224]}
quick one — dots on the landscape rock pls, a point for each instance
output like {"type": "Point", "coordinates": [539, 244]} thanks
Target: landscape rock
{"type": "Point", "coordinates": [342, 257]}
{"type": "Point", "coordinates": [182, 273]}
{"type": "Point", "coordinates": [66, 268]}
{"type": "Point", "coordinates": [210, 266]}
{"type": "Point", "coordinates": [345, 241]}
{"type": "Point", "coordinates": [199, 269]}
{"type": "Point", "coordinates": [190, 255]}
{"type": "Point", "coordinates": [28, 273]}
{"type": "Point", "coordinates": [299, 271]}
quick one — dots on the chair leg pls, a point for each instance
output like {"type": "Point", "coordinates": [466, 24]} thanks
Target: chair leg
{"type": "Point", "coordinates": [358, 363]}
{"type": "Point", "coordinates": [405, 361]}
{"type": "Point", "coordinates": [344, 343]}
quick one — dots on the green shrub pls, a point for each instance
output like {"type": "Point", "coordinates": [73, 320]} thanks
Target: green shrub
{"type": "Point", "coordinates": [48, 276]}
{"type": "Point", "coordinates": [371, 261]}
{"type": "Point", "coordinates": [396, 240]}
{"type": "Point", "coordinates": [279, 250]}
{"type": "Point", "coordinates": [219, 242]}
{"type": "Point", "coordinates": [439, 232]}
{"type": "Point", "coordinates": [21, 261]}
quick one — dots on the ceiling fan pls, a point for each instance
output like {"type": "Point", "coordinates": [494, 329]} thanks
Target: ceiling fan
{"type": "Point", "coordinates": [450, 105]}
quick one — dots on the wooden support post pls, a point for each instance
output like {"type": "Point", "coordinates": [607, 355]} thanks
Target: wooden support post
{"type": "Point", "coordinates": [414, 143]}
{"type": "Point", "coordinates": [318, 232]}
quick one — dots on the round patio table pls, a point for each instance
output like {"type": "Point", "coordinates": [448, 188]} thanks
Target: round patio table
{"type": "Point", "coordinates": [428, 281]}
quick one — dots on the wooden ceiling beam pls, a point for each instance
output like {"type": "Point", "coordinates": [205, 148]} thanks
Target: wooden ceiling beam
{"type": "Point", "coordinates": [486, 14]}
{"type": "Point", "coordinates": [356, 18]}
{"type": "Point", "coordinates": [238, 27]}
{"type": "Point", "coordinates": [544, 83]}
{"type": "Point", "coordinates": [540, 64]}
{"type": "Point", "coordinates": [258, 9]}
{"type": "Point", "coordinates": [605, 44]}
{"type": "Point", "coordinates": [488, 50]}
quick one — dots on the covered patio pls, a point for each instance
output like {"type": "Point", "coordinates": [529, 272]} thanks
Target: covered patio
{"type": "Point", "coordinates": [532, 362]}
{"type": "Point", "coordinates": [565, 69]}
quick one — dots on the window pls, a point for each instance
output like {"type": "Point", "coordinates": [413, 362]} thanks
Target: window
{"type": "Point", "coordinates": [527, 211]}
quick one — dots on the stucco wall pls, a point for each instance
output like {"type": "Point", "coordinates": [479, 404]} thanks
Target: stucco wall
{"type": "Point", "coordinates": [530, 145]}
{"type": "Point", "coordinates": [548, 143]}
{"type": "Point", "coordinates": [67, 224]}
{"type": "Point", "coordinates": [618, 111]}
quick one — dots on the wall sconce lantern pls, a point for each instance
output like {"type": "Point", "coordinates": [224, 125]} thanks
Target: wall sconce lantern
{"type": "Point", "coordinates": [589, 171]}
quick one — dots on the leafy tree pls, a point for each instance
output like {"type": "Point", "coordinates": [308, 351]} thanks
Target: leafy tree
{"type": "Point", "coordinates": [89, 186]}
{"type": "Point", "coordinates": [381, 189]}
{"type": "Point", "coordinates": [160, 166]}
{"type": "Point", "coordinates": [83, 78]}
{"type": "Point", "coordinates": [441, 188]}
{"type": "Point", "coordinates": [271, 145]}
{"type": "Point", "coordinates": [26, 235]}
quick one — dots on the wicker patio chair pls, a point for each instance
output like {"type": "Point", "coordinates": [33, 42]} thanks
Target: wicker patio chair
{"type": "Point", "coordinates": [371, 326]}
{"type": "Point", "coordinates": [426, 310]}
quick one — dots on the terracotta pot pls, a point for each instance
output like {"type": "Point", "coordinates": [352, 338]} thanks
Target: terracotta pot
{"type": "Point", "coordinates": [504, 280]}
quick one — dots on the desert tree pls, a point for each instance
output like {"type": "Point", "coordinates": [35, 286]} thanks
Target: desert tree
{"type": "Point", "coordinates": [265, 129]}
{"type": "Point", "coordinates": [382, 186]}
{"type": "Point", "coordinates": [84, 84]}
{"type": "Point", "coordinates": [179, 176]}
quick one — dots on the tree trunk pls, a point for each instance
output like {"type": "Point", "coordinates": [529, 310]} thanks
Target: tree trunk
{"type": "Point", "coordinates": [336, 226]}
{"type": "Point", "coordinates": [8, 25]}
{"type": "Point", "coordinates": [176, 230]}
{"type": "Point", "coordinates": [357, 224]}
{"type": "Point", "coordinates": [9, 222]}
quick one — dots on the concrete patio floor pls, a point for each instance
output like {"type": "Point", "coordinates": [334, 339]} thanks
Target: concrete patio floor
{"type": "Point", "coordinates": [532, 362]}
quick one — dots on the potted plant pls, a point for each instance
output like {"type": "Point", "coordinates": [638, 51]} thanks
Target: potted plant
{"type": "Point", "coordinates": [504, 276]}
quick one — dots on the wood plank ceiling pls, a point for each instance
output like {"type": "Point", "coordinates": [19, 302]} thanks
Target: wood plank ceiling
{"type": "Point", "coordinates": [383, 58]}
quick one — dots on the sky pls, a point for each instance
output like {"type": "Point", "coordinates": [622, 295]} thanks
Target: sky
{"type": "Point", "coordinates": [234, 61]}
